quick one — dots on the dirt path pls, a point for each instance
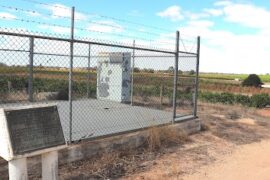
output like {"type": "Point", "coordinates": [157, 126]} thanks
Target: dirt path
{"type": "Point", "coordinates": [249, 161]}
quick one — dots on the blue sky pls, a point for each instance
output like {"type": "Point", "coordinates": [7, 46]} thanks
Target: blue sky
{"type": "Point", "coordinates": [235, 34]}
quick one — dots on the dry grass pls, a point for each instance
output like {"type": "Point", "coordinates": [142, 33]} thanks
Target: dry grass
{"type": "Point", "coordinates": [165, 136]}
{"type": "Point", "coordinates": [205, 126]}
{"type": "Point", "coordinates": [225, 123]}
{"type": "Point", "coordinates": [233, 115]}
{"type": "Point", "coordinates": [13, 97]}
{"type": "Point", "coordinates": [109, 164]}
{"type": "Point", "coordinates": [112, 165]}
{"type": "Point", "coordinates": [262, 123]}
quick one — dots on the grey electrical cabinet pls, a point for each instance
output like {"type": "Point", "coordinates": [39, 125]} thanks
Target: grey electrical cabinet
{"type": "Point", "coordinates": [114, 77]}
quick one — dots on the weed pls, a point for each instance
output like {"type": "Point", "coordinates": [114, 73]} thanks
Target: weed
{"type": "Point", "coordinates": [165, 136]}
{"type": "Point", "coordinates": [205, 126]}
{"type": "Point", "coordinates": [233, 115]}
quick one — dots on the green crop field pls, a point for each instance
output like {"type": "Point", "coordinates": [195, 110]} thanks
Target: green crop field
{"type": "Point", "coordinates": [212, 86]}
{"type": "Point", "coordinates": [217, 77]}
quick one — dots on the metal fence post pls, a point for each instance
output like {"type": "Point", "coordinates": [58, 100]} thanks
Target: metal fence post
{"type": "Point", "coordinates": [31, 63]}
{"type": "Point", "coordinates": [197, 75]}
{"type": "Point", "coordinates": [132, 73]}
{"type": "Point", "coordinates": [70, 80]}
{"type": "Point", "coordinates": [88, 71]}
{"type": "Point", "coordinates": [175, 74]}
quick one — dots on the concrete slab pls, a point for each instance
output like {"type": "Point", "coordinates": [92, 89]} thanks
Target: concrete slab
{"type": "Point", "coordinates": [94, 118]}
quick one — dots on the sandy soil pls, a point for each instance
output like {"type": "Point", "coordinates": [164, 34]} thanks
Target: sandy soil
{"type": "Point", "coordinates": [250, 161]}
{"type": "Point", "coordinates": [264, 112]}
{"type": "Point", "coordinates": [247, 162]}
{"type": "Point", "coordinates": [204, 150]}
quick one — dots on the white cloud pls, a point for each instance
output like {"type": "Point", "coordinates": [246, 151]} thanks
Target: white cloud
{"type": "Point", "coordinates": [202, 24]}
{"type": "Point", "coordinates": [173, 13]}
{"type": "Point", "coordinates": [223, 3]}
{"type": "Point", "coordinates": [196, 16]}
{"type": "Point", "coordinates": [106, 27]}
{"type": "Point", "coordinates": [5, 15]}
{"type": "Point", "coordinates": [247, 15]}
{"type": "Point", "coordinates": [56, 29]}
{"type": "Point", "coordinates": [214, 12]}
{"type": "Point", "coordinates": [64, 11]}
{"type": "Point", "coordinates": [225, 51]}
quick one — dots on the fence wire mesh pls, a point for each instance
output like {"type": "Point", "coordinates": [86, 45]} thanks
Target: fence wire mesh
{"type": "Point", "coordinates": [115, 88]}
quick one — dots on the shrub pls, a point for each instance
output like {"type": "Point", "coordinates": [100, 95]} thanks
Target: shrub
{"type": "Point", "coordinates": [136, 69]}
{"type": "Point", "coordinates": [62, 94]}
{"type": "Point", "coordinates": [242, 99]}
{"type": "Point", "coordinates": [191, 72]}
{"type": "Point", "coordinates": [252, 80]}
{"type": "Point", "coordinates": [226, 98]}
{"type": "Point", "coordinates": [209, 97]}
{"type": "Point", "coordinates": [148, 70]}
{"type": "Point", "coordinates": [233, 115]}
{"type": "Point", "coordinates": [205, 126]}
{"type": "Point", "coordinates": [165, 136]}
{"type": "Point", "coordinates": [260, 100]}
{"type": "Point", "coordinates": [2, 64]}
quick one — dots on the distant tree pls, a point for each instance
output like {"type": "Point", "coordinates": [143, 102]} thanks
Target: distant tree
{"type": "Point", "coordinates": [136, 69]}
{"type": "Point", "coordinates": [252, 80]}
{"type": "Point", "coordinates": [191, 72]}
{"type": "Point", "coordinates": [2, 64]}
{"type": "Point", "coordinates": [148, 70]}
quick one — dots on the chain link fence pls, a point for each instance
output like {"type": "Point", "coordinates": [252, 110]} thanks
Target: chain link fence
{"type": "Point", "coordinates": [100, 88]}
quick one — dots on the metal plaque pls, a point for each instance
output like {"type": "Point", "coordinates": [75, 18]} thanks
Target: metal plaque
{"type": "Point", "coordinates": [34, 129]}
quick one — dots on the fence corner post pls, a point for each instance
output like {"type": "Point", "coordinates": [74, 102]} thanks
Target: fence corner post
{"type": "Point", "coordinates": [88, 71]}
{"type": "Point", "coordinates": [132, 74]}
{"type": "Point", "coordinates": [70, 79]}
{"type": "Point", "coordinates": [197, 76]}
{"type": "Point", "coordinates": [175, 74]}
{"type": "Point", "coordinates": [31, 64]}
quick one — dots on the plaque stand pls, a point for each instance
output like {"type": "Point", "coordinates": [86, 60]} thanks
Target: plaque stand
{"type": "Point", "coordinates": [50, 165]}
{"type": "Point", "coordinates": [29, 131]}
{"type": "Point", "coordinates": [18, 169]}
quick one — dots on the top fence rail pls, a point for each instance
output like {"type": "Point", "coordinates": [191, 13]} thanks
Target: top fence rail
{"type": "Point", "coordinates": [94, 43]}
